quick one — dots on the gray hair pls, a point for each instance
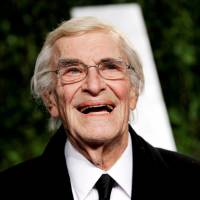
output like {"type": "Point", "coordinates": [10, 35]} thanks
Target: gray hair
{"type": "Point", "coordinates": [42, 82]}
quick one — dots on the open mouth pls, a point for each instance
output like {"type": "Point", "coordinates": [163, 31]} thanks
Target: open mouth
{"type": "Point", "coordinates": [96, 108]}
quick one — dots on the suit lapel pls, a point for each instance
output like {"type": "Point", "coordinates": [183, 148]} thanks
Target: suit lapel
{"type": "Point", "coordinates": [139, 163]}
{"type": "Point", "coordinates": [148, 170]}
{"type": "Point", "coordinates": [58, 181]}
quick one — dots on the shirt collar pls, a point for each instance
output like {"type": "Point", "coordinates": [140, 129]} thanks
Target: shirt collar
{"type": "Point", "coordinates": [80, 170]}
{"type": "Point", "coordinates": [121, 171]}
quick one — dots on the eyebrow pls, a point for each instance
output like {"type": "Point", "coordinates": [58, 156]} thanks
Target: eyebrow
{"type": "Point", "coordinates": [66, 61]}
{"type": "Point", "coordinates": [69, 61]}
{"type": "Point", "coordinates": [110, 59]}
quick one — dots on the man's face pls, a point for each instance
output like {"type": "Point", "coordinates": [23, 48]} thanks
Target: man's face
{"type": "Point", "coordinates": [107, 102]}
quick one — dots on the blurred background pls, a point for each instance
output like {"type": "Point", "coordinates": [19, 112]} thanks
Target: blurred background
{"type": "Point", "coordinates": [174, 33]}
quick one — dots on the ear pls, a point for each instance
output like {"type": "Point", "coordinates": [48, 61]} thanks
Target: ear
{"type": "Point", "coordinates": [51, 104]}
{"type": "Point", "coordinates": [132, 98]}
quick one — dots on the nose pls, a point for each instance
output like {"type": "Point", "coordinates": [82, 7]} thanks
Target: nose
{"type": "Point", "coordinates": [93, 84]}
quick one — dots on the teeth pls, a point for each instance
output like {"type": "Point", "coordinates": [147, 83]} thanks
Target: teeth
{"type": "Point", "coordinates": [110, 108]}
{"type": "Point", "coordinates": [85, 108]}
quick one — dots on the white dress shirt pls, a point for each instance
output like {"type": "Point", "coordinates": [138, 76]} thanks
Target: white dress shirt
{"type": "Point", "coordinates": [83, 174]}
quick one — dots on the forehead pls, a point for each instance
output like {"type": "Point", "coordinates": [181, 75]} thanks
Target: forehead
{"type": "Point", "coordinates": [90, 46]}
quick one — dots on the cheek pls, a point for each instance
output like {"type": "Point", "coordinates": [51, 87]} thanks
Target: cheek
{"type": "Point", "coordinates": [125, 93]}
{"type": "Point", "coordinates": [67, 93]}
{"type": "Point", "coordinates": [122, 91]}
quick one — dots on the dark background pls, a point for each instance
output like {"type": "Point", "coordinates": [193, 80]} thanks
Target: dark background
{"type": "Point", "coordinates": [174, 32]}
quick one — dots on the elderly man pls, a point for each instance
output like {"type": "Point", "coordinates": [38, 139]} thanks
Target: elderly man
{"type": "Point", "coordinates": [89, 78]}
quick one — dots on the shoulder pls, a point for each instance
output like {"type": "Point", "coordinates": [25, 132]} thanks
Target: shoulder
{"type": "Point", "coordinates": [24, 170]}
{"type": "Point", "coordinates": [159, 171]}
{"type": "Point", "coordinates": [24, 175]}
{"type": "Point", "coordinates": [181, 162]}
{"type": "Point", "coordinates": [166, 161]}
{"type": "Point", "coordinates": [171, 159]}
{"type": "Point", "coordinates": [175, 157]}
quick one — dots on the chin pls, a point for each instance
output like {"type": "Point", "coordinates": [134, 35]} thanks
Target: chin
{"type": "Point", "coordinates": [99, 134]}
{"type": "Point", "coordinates": [96, 142]}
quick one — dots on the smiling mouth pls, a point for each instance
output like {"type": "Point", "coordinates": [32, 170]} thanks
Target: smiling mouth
{"type": "Point", "coordinates": [96, 108]}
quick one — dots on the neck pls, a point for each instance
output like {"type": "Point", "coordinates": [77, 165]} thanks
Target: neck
{"type": "Point", "coordinates": [103, 155]}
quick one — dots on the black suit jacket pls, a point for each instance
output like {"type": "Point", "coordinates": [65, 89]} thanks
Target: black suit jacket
{"type": "Point", "coordinates": [157, 174]}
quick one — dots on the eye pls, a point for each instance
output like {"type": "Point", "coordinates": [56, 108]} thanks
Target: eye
{"type": "Point", "coordinates": [72, 70]}
{"type": "Point", "coordinates": [110, 66]}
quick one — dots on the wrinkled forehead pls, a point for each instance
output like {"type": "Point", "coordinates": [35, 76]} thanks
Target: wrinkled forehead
{"type": "Point", "coordinates": [88, 46]}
